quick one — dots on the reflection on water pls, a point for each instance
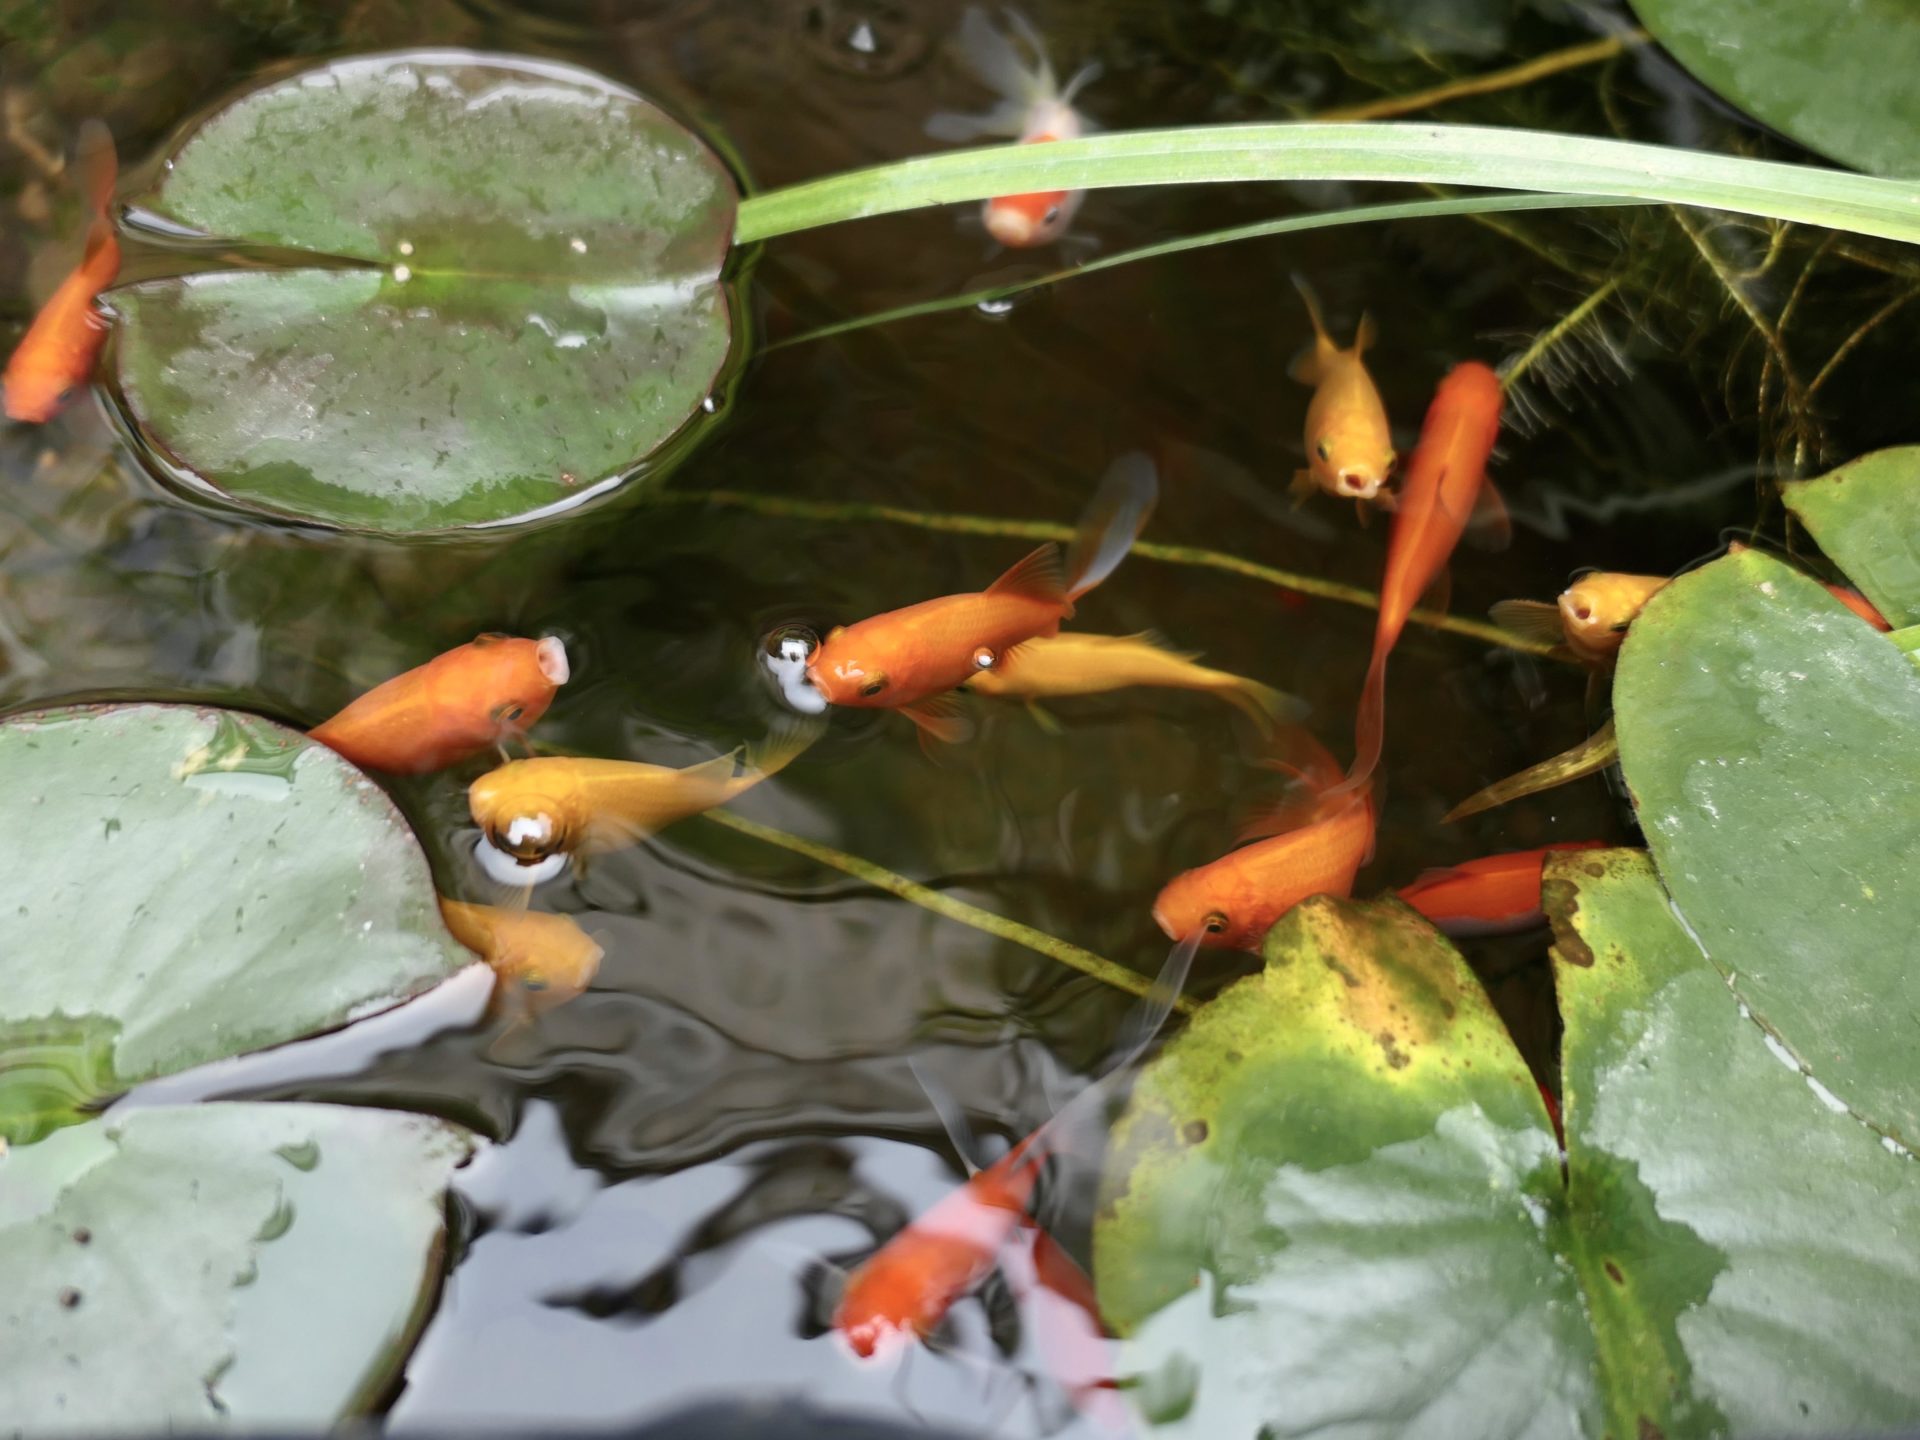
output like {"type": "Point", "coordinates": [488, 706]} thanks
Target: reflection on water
{"type": "Point", "coordinates": [690, 1147]}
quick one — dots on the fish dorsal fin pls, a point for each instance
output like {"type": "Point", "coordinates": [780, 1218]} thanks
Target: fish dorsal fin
{"type": "Point", "coordinates": [1530, 620]}
{"type": "Point", "coordinates": [1154, 640]}
{"type": "Point", "coordinates": [1039, 575]}
{"type": "Point", "coordinates": [1364, 334]}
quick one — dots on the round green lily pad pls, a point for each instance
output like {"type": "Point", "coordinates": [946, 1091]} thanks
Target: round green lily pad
{"type": "Point", "coordinates": [494, 291]}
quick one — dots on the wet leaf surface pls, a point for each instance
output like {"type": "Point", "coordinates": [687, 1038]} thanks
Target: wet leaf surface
{"type": "Point", "coordinates": [194, 884]}
{"type": "Point", "coordinates": [1866, 516]}
{"type": "Point", "coordinates": [1767, 735]}
{"type": "Point", "coordinates": [259, 1267]}
{"type": "Point", "coordinates": [532, 310]}
{"type": "Point", "coordinates": [1778, 59]}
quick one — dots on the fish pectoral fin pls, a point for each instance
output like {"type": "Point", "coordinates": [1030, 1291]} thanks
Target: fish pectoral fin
{"type": "Point", "coordinates": [1490, 526]}
{"type": "Point", "coordinates": [1039, 575]}
{"type": "Point", "coordinates": [1533, 620]}
{"type": "Point", "coordinates": [1364, 511]}
{"type": "Point", "coordinates": [1302, 487]}
{"type": "Point", "coordinates": [1043, 717]}
{"type": "Point", "coordinates": [940, 718]}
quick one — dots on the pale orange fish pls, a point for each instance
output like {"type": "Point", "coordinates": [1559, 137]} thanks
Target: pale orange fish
{"type": "Point", "coordinates": [475, 697]}
{"type": "Point", "coordinates": [1350, 451]}
{"type": "Point", "coordinates": [1072, 663]}
{"type": "Point", "coordinates": [56, 357]}
{"type": "Point", "coordinates": [534, 809]}
{"type": "Point", "coordinates": [539, 960]}
{"type": "Point", "coordinates": [1591, 618]}
{"type": "Point", "coordinates": [1034, 110]}
{"type": "Point", "coordinates": [1313, 845]}
{"type": "Point", "coordinates": [910, 659]}
{"type": "Point", "coordinates": [1446, 485]}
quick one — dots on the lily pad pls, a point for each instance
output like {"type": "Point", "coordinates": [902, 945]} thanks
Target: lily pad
{"type": "Point", "coordinates": [249, 1267]}
{"type": "Point", "coordinates": [513, 297]}
{"type": "Point", "coordinates": [1837, 78]}
{"type": "Point", "coordinates": [188, 884]}
{"type": "Point", "coordinates": [1866, 515]}
{"type": "Point", "coordinates": [1768, 736]}
{"type": "Point", "coordinates": [1302, 1236]}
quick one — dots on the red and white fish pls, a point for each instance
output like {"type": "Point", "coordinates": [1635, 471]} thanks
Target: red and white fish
{"type": "Point", "coordinates": [56, 357]}
{"type": "Point", "coordinates": [1035, 109]}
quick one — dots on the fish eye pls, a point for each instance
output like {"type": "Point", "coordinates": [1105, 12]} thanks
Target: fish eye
{"type": "Point", "coordinates": [1053, 214]}
{"type": "Point", "coordinates": [1215, 923]}
{"type": "Point", "coordinates": [508, 713]}
{"type": "Point", "coordinates": [490, 637]}
{"type": "Point", "coordinates": [874, 686]}
{"type": "Point", "coordinates": [984, 659]}
{"type": "Point", "coordinates": [1324, 450]}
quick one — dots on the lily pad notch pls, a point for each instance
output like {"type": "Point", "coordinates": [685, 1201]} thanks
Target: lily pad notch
{"type": "Point", "coordinates": [514, 301]}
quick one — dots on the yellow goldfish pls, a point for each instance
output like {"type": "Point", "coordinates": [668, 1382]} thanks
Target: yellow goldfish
{"type": "Point", "coordinates": [538, 960]}
{"type": "Point", "coordinates": [1590, 619]}
{"type": "Point", "coordinates": [1350, 451]}
{"type": "Point", "coordinates": [533, 809]}
{"type": "Point", "coordinates": [1072, 664]}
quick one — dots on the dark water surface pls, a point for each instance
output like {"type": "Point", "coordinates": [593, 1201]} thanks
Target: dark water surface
{"type": "Point", "coordinates": [730, 1104]}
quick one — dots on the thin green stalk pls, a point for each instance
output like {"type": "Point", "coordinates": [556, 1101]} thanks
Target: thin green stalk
{"type": "Point", "coordinates": [880, 878]}
{"type": "Point", "coordinates": [796, 509]}
{"type": "Point", "coordinates": [1468, 155]}
{"type": "Point", "coordinates": [1361, 215]}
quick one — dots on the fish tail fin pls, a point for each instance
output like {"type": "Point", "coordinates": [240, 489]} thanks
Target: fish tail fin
{"type": "Point", "coordinates": [1264, 705]}
{"type": "Point", "coordinates": [1310, 365]}
{"type": "Point", "coordinates": [1113, 520]}
{"type": "Point", "coordinates": [779, 750]}
{"type": "Point", "coordinates": [990, 52]}
{"type": "Point", "coordinates": [1080, 79]}
{"type": "Point", "coordinates": [1037, 575]}
{"type": "Point", "coordinates": [1369, 726]}
{"type": "Point", "coordinates": [1365, 333]}
{"type": "Point", "coordinates": [97, 168]}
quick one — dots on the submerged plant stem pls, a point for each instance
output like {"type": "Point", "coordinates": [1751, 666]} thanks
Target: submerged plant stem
{"type": "Point", "coordinates": [1356, 595]}
{"type": "Point", "coordinates": [1556, 332]}
{"type": "Point", "coordinates": [1085, 961]}
{"type": "Point", "coordinates": [1511, 78]}
{"type": "Point", "coordinates": [1472, 205]}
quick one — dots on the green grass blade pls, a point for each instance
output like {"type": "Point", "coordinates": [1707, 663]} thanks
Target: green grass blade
{"type": "Point", "coordinates": [1499, 159]}
{"type": "Point", "coordinates": [1314, 220]}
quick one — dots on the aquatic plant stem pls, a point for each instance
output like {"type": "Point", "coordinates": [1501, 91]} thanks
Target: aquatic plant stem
{"type": "Point", "coordinates": [1494, 158]}
{"type": "Point", "coordinates": [1556, 332]}
{"type": "Point", "coordinates": [1494, 81]}
{"type": "Point", "coordinates": [1471, 205]}
{"type": "Point", "coordinates": [1038, 941]}
{"type": "Point", "coordinates": [797, 509]}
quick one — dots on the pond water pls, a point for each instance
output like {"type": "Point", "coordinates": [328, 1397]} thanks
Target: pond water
{"type": "Point", "coordinates": [730, 1105]}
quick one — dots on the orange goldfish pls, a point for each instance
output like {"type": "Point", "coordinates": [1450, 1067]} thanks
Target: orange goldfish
{"type": "Point", "coordinates": [1490, 896]}
{"type": "Point", "coordinates": [1349, 446]}
{"type": "Point", "coordinates": [1076, 664]}
{"type": "Point", "coordinates": [1445, 485]}
{"type": "Point", "coordinates": [476, 695]}
{"type": "Point", "coordinates": [57, 355]}
{"type": "Point", "coordinates": [534, 809]}
{"type": "Point", "coordinates": [1034, 110]}
{"type": "Point", "coordinates": [540, 960]}
{"type": "Point", "coordinates": [909, 1284]}
{"type": "Point", "coordinates": [1591, 618]}
{"type": "Point", "coordinates": [1297, 850]}
{"type": "Point", "coordinates": [909, 659]}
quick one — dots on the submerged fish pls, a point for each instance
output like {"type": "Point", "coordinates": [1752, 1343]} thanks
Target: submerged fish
{"type": "Point", "coordinates": [1591, 618]}
{"type": "Point", "coordinates": [1034, 109]}
{"type": "Point", "coordinates": [57, 355]}
{"type": "Point", "coordinates": [475, 697]}
{"type": "Point", "coordinates": [538, 960]}
{"type": "Point", "coordinates": [1307, 846]}
{"type": "Point", "coordinates": [909, 659]}
{"type": "Point", "coordinates": [534, 809]}
{"type": "Point", "coordinates": [1494, 895]}
{"type": "Point", "coordinates": [905, 1289]}
{"type": "Point", "coordinates": [1350, 451]}
{"type": "Point", "coordinates": [1076, 664]}
{"type": "Point", "coordinates": [1445, 487]}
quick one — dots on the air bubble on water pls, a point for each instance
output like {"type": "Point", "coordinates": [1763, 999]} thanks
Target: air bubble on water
{"type": "Point", "coordinates": [785, 654]}
{"type": "Point", "coordinates": [577, 245]}
{"type": "Point", "coordinates": [504, 869]}
{"type": "Point", "coordinates": [402, 274]}
{"type": "Point", "coordinates": [862, 39]}
{"type": "Point", "coordinates": [406, 247]}
{"type": "Point", "coordinates": [995, 305]}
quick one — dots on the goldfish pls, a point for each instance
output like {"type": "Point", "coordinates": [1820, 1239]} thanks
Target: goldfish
{"type": "Point", "coordinates": [540, 960]}
{"type": "Point", "coordinates": [1075, 664]}
{"type": "Point", "coordinates": [1445, 486]}
{"type": "Point", "coordinates": [909, 659]}
{"type": "Point", "coordinates": [1035, 109]}
{"type": "Point", "coordinates": [57, 354]}
{"type": "Point", "coordinates": [1350, 451]}
{"type": "Point", "coordinates": [1494, 895]}
{"type": "Point", "coordinates": [474, 696]}
{"type": "Point", "coordinates": [535, 809]}
{"type": "Point", "coordinates": [907, 1286]}
{"type": "Point", "coordinates": [1590, 619]}
{"type": "Point", "coordinates": [1296, 851]}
